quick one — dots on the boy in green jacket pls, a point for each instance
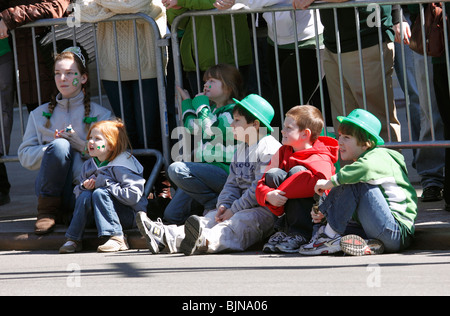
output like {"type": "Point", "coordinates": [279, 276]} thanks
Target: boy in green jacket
{"type": "Point", "coordinates": [374, 190]}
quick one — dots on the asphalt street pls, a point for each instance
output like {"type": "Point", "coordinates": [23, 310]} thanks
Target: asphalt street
{"type": "Point", "coordinates": [252, 273]}
{"type": "Point", "coordinates": [137, 272]}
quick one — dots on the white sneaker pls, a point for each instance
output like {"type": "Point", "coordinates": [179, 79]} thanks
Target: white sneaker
{"type": "Point", "coordinates": [314, 238]}
{"type": "Point", "coordinates": [321, 245]}
{"type": "Point", "coordinates": [153, 232]}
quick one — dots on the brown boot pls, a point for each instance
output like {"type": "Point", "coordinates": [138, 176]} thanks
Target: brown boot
{"type": "Point", "coordinates": [48, 208]}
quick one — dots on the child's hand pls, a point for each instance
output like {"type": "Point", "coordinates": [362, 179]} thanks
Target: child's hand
{"type": "Point", "coordinates": [223, 214]}
{"type": "Point", "coordinates": [183, 93]}
{"type": "Point", "coordinates": [323, 185]}
{"type": "Point", "coordinates": [89, 184]}
{"type": "Point", "coordinates": [200, 93]}
{"type": "Point", "coordinates": [276, 198]}
{"type": "Point", "coordinates": [316, 216]}
{"type": "Point", "coordinates": [75, 141]}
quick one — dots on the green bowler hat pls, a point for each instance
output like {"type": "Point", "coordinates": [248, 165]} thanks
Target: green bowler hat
{"type": "Point", "coordinates": [366, 121]}
{"type": "Point", "coordinates": [259, 107]}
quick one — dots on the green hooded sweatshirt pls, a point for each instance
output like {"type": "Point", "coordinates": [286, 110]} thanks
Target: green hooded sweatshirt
{"type": "Point", "coordinates": [385, 168]}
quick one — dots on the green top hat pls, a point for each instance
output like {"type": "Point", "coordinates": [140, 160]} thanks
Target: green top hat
{"type": "Point", "coordinates": [259, 107]}
{"type": "Point", "coordinates": [366, 121]}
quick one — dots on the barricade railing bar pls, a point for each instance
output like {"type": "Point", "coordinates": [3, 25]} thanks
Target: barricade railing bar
{"type": "Point", "coordinates": [389, 120]}
{"type": "Point", "coordinates": [163, 44]}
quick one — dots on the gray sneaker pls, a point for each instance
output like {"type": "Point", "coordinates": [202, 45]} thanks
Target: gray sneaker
{"type": "Point", "coordinates": [153, 232]}
{"type": "Point", "coordinates": [71, 246]}
{"type": "Point", "coordinates": [271, 245]}
{"type": "Point", "coordinates": [291, 243]}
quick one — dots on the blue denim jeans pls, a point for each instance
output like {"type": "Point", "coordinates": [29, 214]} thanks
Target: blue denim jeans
{"type": "Point", "coordinates": [429, 162]}
{"type": "Point", "coordinates": [55, 175]}
{"type": "Point", "coordinates": [99, 207]}
{"type": "Point", "coordinates": [197, 181]}
{"type": "Point", "coordinates": [371, 209]}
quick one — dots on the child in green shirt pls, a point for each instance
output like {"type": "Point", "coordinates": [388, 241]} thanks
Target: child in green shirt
{"type": "Point", "coordinates": [374, 190]}
{"type": "Point", "coordinates": [207, 117]}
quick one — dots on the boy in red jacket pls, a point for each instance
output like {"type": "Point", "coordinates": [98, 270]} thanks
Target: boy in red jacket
{"type": "Point", "coordinates": [304, 158]}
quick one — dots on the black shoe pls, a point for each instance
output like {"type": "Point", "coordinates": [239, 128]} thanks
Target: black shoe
{"type": "Point", "coordinates": [4, 198]}
{"type": "Point", "coordinates": [431, 194]}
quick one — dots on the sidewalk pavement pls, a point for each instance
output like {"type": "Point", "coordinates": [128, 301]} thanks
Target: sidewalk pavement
{"type": "Point", "coordinates": [18, 217]}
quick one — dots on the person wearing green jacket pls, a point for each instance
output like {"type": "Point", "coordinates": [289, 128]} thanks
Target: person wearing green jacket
{"type": "Point", "coordinates": [205, 39]}
{"type": "Point", "coordinates": [374, 191]}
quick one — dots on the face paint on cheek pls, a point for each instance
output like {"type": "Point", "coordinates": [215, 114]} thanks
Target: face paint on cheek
{"type": "Point", "coordinates": [75, 82]}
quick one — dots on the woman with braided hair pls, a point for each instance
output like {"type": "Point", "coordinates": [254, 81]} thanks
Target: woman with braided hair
{"type": "Point", "coordinates": [55, 139]}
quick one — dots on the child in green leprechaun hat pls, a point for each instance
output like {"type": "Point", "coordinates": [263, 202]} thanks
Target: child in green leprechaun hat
{"type": "Point", "coordinates": [238, 221]}
{"type": "Point", "coordinates": [374, 191]}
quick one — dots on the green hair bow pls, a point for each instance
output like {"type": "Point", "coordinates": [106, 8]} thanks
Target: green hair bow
{"type": "Point", "coordinates": [89, 120]}
{"type": "Point", "coordinates": [47, 115]}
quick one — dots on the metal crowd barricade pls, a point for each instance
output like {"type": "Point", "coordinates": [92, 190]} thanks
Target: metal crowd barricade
{"type": "Point", "coordinates": [71, 33]}
{"type": "Point", "coordinates": [407, 143]}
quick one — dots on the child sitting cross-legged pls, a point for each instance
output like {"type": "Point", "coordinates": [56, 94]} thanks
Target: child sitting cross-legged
{"type": "Point", "coordinates": [288, 188]}
{"type": "Point", "coordinates": [374, 191]}
{"type": "Point", "coordinates": [238, 222]}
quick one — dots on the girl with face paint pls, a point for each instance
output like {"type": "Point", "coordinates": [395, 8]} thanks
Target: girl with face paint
{"type": "Point", "coordinates": [111, 189]}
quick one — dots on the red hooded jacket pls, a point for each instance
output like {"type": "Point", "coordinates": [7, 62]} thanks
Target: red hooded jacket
{"type": "Point", "coordinates": [319, 161]}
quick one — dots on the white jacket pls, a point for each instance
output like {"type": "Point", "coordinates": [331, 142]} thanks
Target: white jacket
{"type": "Point", "coordinates": [37, 136]}
{"type": "Point", "coordinates": [248, 166]}
{"type": "Point", "coordinates": [285, 21]}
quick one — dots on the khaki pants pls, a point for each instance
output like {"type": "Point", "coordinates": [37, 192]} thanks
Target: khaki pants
{"type": "Point", "coordinates": [373, 81]}
{"type": "Point", "coordinates": [242, 230]}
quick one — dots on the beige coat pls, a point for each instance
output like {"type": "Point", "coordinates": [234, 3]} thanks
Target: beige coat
{"type": "Point", "coordinates": [95, 11]}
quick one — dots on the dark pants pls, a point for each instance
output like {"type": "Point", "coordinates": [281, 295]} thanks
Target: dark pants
{"type": "Point", "coordinates": [440, 81]}
{"type": "Point", "coordinates": [297, 211]}
{"type": "Point", "coordinates": [6, 106]}
{"type": "Point", "coordinates": [132, 115]}
{"type": "Point", "coordinates": [4, 183]}
{"type": "Point", "coordinates": [289, 82]}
